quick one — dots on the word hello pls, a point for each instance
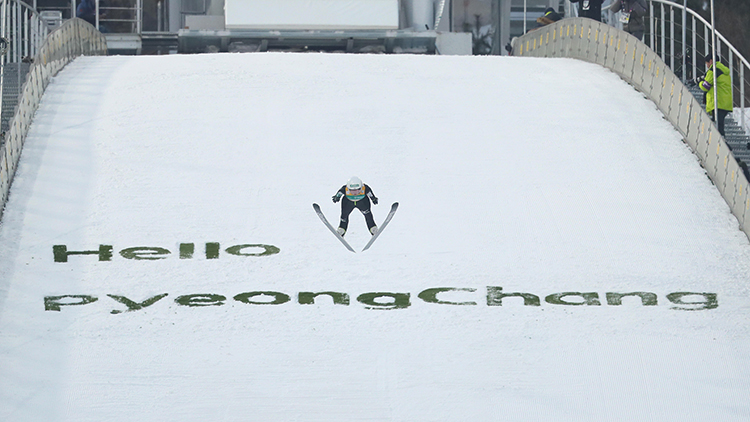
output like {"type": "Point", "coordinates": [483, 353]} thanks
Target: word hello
{"type": "Point", "coordinates": [494, 297]}
{"type": "Point", "coordinates": [186, 251]}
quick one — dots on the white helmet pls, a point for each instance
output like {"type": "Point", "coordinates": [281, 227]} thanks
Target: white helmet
{"type": "Point", "coordinates": [354, 183]}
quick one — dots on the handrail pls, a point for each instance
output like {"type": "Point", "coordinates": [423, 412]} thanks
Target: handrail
{"type": "Point", "coordinates": [24, 27]}
{"type": "Point", "coordinates": [733, 54]}
{"type": "Point", "coordinates": [73, 38]}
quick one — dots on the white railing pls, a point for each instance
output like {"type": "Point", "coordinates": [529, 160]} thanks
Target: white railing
{"type": "Point", "coordinates": [679, 35]}
{"type": "Point", "coordinates": [125, 18]}
{"type": "Point", "coordinates": [23, 28]}
{"type": "Point", "coordinates": [72, 39]}
{"type": "Point", "coordinates": [121, 17]}
{"type": "Point", "coordinates": [23, 32]}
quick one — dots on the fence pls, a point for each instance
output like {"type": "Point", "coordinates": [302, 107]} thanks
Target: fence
{"type": "Point", "coordinates": [24, 29]}
{"type": "Point", "coordinates": [680, 36]}
{"type": "Point", "coordinates": [642, 67]}
{"type": "Point", "coordinates": [74, 38]}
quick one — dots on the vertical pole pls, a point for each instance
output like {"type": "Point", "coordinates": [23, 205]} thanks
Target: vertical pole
{"type": "Point", "coordinates": [504, 8]}
{"type": "Point", "coordinates": [651, 24]}
{"type": "Point", "coordinates": [524, 16]}
{"type": "Point", "coordinates": [663, 35]}
{"type": "Point", "coordinates": [671, 37]}
{"type": "Point", "coordinates": [713, 56]}
{"type": "Point", "coordinates": [731, 67]}
{"type": "Point", "coordinates": [96, 12]}
{"type": "Point", "coordinates": [684, 42]}
{"type": "Point", "coordinates": [742, 95]}
{"type": "Point", "coordinates": [159, 17]}
{"type": "Point", "coordinates": [497, 50]}
{"type": "Point", "coordinates": [18, 34]}
{"type": "Point", "coordinates": [705, 41]}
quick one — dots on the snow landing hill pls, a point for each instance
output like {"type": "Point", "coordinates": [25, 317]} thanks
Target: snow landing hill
{"type": "Point", "coordinates": [558, 253]}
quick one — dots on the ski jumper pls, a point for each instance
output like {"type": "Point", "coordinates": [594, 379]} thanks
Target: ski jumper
{"type": "Point", "coordinates": [360, 199]}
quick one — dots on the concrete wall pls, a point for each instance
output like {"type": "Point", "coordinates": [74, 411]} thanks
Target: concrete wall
{"type": "Point", "coordinates": [637, 64]}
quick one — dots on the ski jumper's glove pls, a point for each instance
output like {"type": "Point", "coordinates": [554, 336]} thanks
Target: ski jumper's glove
{"type": "Point", "coordinates": [375, 200]}
{"type": "Point", "coordinates": [337, 197]}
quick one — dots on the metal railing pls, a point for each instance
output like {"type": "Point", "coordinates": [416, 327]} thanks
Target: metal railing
{"type": "Point", "coordinates": [112, 16]}
{"type": "Point", "coordinates": [23, 32]}
{"type": "Point", "coordinates": [122, 16]}
{"type": "Point", "coordinates": [24, 29]}
{"type": "Point", "coordinates": [679, 35]}
{"type": "Point", "coordinates": [73, 38]}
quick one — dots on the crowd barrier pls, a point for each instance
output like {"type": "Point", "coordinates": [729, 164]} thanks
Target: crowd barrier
{"type": "Point", "coordinates": [74, 38]}
{"type": "Point", "coordinates": [636, 63]}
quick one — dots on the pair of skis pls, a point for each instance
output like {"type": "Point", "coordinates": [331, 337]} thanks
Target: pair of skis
{"type": "Point", "coordinates": [387, 220]}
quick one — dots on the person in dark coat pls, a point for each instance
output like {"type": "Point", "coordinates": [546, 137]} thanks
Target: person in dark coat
{"type": "Point", "coordinates": [86, 10]}
{"type": "Point", "coordinates": [591, 9]}
{"type": "Point", "coordinates": [632, 16]}
{"type": "Point", "coordinates": [550, 16]}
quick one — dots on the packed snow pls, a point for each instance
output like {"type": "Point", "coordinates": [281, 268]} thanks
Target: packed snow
{"type": "Point", "coordinates": [226, 299]}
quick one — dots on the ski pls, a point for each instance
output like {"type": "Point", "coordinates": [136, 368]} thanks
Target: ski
{"type": "Point", "coordinates": [330, 227]}
{"type": "Point", "coordinates": [387, 220]}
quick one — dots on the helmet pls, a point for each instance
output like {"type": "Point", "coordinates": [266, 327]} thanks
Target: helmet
{"type": "Point", "coordinates": [354, 183]}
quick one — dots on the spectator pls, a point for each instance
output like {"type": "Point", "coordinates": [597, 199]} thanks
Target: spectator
{"type": "Point", "coordinates": [724, 84]}
{"type": "Point", "coordinates": [549, 16]}
{"type": "Point", "coordinates": [86, 10]}
{"type": "Point", "coordinates": [591, 9]}
{"type": "Point", "coordinates": [632, 16]}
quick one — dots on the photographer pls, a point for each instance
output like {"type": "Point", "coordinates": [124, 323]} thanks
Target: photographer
{"type": "Point", "coordinates": [711, 85]}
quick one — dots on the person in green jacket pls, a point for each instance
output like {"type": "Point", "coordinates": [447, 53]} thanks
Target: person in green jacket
{"type": "Point", "coordinates": [723, 86]}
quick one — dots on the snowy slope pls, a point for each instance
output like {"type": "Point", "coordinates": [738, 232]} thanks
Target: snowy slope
{"type": "Point", "coordinates": [548, 177]}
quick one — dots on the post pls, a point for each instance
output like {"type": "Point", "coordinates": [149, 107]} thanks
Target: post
{"type": "Point", "coordinates": [684, 35]}
{"type": "Point", "coordinates": [713, 57]}
{"type": "Point", "coordinates": [159, 16]}
{"type": "Point", "coordinates": [663, 35]}
{"type": "Point", "coordinates": [695, 50]}
{"type": "Point", "coordinates": [671, 37]}
{"type": "Point", "coordinates": [497, 50]}
{"type": "Point", "coordinates": [651, 24]}
{"type": "Point", "coordinates": [742, 95]}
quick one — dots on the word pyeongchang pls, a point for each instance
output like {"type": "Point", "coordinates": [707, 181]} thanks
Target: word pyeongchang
{"type": "Point", "coordinates": [445, 296]}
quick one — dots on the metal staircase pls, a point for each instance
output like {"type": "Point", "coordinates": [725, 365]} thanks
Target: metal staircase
{"type": "Point", "coordinates": [14, 75]}
{"type": "Point", "coordinates": [735, 135]}
{"type": "Point", "coordinates": [24, 31]}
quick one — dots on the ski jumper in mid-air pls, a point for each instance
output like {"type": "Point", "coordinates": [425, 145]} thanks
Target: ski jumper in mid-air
{"type": "Point", "coordinates": [355, 194]}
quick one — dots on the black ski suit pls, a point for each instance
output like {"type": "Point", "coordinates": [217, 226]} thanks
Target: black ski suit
{"type": "Point", "coordinates": [348, 205]}
{"type": "Point", "coordinates": [591, 9]}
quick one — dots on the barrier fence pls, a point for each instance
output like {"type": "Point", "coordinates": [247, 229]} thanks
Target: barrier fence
{"type": "Point", "coordinates": [680, 36]}
{"type": "Point", "coordinates": [74, 38]}
{"type": "Point", "coordinates": [639, 65]}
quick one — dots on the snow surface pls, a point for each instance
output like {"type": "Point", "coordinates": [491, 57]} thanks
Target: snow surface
{"type": "Point", "coordinates": [540, 176]}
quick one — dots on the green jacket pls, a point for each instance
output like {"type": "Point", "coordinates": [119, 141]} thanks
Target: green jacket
{"type": "Point", "coordinates": [724, 81]}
